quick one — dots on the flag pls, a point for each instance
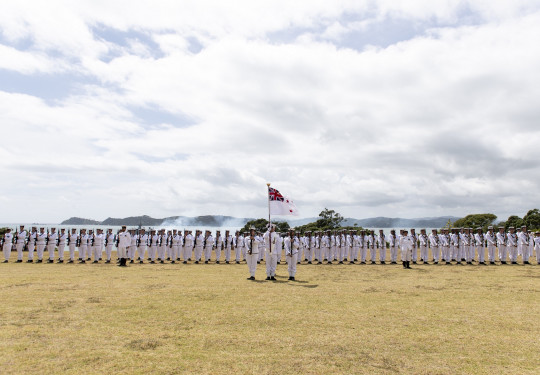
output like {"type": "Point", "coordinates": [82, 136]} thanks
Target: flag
{"type": "Point", "coordinates": [280, 205]}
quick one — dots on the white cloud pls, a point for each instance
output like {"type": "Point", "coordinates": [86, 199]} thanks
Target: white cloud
{"type": "Point", "coordinates": [442, 123]}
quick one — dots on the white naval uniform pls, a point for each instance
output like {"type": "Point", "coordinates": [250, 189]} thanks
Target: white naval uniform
{"type": "Point", "coordinates": [414, 251]}
{"type": "Point", "coordinates": [271, 252]}
{"type": "Point", "coordinates": [434, 243]}
{"type": "Point", "coordinates": [188, 247]}
{"type": "Point", "coordinates": [72, 245]}
{"type": "Point", "coordinates": [62, 245]}
{"type": "Point", "coordinates": [32, 238]}
{"type": "Point", "coordinates": [491, 245]}
{"type": "Point", "coordinates": [364, 249]}
{"type": "Point", "coordinates": [199, 244]}
{"type": "Point", "coordinates": [83, 248]}
{"type": "Point", "coordinates": [8, 243]}
{"type": "Point", "coordinates": [161, 247]}
{"type": "Point", "coordinates": [355, 247]}
{"type": "Point", "coordinates": [52, 245]}
{"type": "Point", "coordinates": [239, 247]}
{"type": "Point", "coordinates": [169, 247]}
{"type": "Point", "coordinates": [406, 245]}
{"type": "Point", "coordinates": [21, 237]}
{"type": "Point", "coordinates": [208, 244]}
{"type": "Point", "coordinates": [332, 250]}
{"type": "Point", "coordinates": [338, 254]}
{"type": "Point", "coordinates": [300, 250]}
{"type": "Point", "coordinates": [466, 241]}
{"type": "Point", "coordinates": [40, 244]}
{"type": "Point", "coordinates": [523, 245]}
{"type": "Point", "coordinates": [219, 246]}
{"type": "Point", "coordinates": [381, 244]}
{"type": "Point", "coordinates": [444, 241]}
{"type": "Point", "coordinates": [176, 240]}
{"type": "Point", "coordinates": [252, 254]}
{"type": "Point", "coordinates": [228, 247]}
{"type": "Point", "coordinates": [345, 246]}
{"type": "Point", "coordinates": [537, 248]}
{"type": "Point", "coordinates": [314, 250]}
{"type": "Point", "coordinates": [90, 248]}
{"type": "Point", "coordinates": [325, 247]}
{"type": "Point", "coordinates": [372, 248]}
{"type": "Point", "coordinates": [109, 246]}
{"type": "Point", "coordinates": [98, 246]}
{"type": "Point", "coordinates": [479, 240]}
{"type": "Point", "coordinates": [152, 248]}
{"type": "Point", "coordinates": [291, 254]}
{"type": "Point", "coordinates": [454, 237]}
{"type": "Point", "coordinates": [124, 241]}
{"type": "Point", "coordinates": [141, 248]}
{"type": "Point", "coordinates": [393, 242]}
{"type": "Point", "coordinates": [132, 246]}
{"type": "Point", "coordinates": [501, 246]}
{"type": "Point", "coordinates": [424, 245]}
{"type": "Point", "coordinates": [511, 245]}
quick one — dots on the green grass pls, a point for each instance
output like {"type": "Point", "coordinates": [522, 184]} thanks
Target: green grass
{"type": "Point", "coordinates": [208, 319]}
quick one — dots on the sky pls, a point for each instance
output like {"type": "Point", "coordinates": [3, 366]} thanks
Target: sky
{"type": "Point", "coordinates": [371, 108]}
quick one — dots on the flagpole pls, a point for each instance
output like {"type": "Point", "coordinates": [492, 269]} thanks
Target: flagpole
{"type": "Point", "coordinates": [269, 218]}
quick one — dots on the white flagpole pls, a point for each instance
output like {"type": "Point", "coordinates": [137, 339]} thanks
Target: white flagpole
{"type": "Point", "coordinates": [269, 218]}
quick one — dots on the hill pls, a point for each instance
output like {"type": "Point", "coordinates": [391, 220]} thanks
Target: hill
{"type": "Point", "coordinates": [229, 221]}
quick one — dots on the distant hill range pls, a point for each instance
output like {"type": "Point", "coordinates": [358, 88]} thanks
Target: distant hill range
{"type": "Point", "coordinates": [145, 221]}
{"type": "Point", "coordinates": [229, 221]}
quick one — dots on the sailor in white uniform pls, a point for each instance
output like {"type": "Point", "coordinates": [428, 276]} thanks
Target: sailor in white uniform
{"type": "Point", "coordinates": [434, 244]}
{"type": "Point", "coordinates": [124, 241]}
{"type": "Point", "coordinates": [291, 253]}
{"type": "Point", "coordinates": [7, 245]}
{"type": "Point", "coordinates": [480, 240]}
{"type": "Point", "coordinates": [523, 244]}
{"type": "Point", "coordinates": [424, 246]}
{"type": "Point", "coordinates": [381, 244]}
{"type": "Point", "coordinates": [491, 241]}
{"type": "Point", "coordinates": [62, 239]}
{"type": "Point", "coordinates": [32, 240]}
{"type": "Point", "coordinates": [406, 245]}
{"type": "Point", "coordinates": [51, 245]}
{"type": "Point", "coordinates": [512, 245]}
{"type": "Point", "coordinates": [109, 243]}
{"type": "Point", "coordinates": [501, 245]}
{"type": "Point", "coordinates": [20, 243]}
{"type": "Point", "coordinates": [252, 253]}
{"type": "Point", "coordinates": [393, 242]}
{"type": "Point", "coordinates": [41, 244]}
{"type": "Point", "coordinates": [228, 246]}
{"type": "Point", "coordinates": [271, 239]}
{"type": "Point", "coordinates": [218, 245]}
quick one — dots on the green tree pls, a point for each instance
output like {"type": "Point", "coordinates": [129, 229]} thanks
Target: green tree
{"type": "Point", "coordinates": [532, 219]}
{"type": "Point", "coordinates": [514, 221]}
{"type": "Point", "coordinates": [475, 220]}
{"type": "Point", "coordinates": [260, 225]}
{"type": "Point", "coordinates": [329, 219]}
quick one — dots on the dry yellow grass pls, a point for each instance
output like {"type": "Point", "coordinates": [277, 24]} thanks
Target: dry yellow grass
{"type": "Point", "coordinates": [208, 319]}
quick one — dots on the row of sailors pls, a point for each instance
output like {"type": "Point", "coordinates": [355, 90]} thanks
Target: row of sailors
{"type": "Point", "coordinates": [339, 245]}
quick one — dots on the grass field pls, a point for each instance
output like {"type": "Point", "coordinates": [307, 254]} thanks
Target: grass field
{"type": "Point", "coordinates": [208, 319]}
